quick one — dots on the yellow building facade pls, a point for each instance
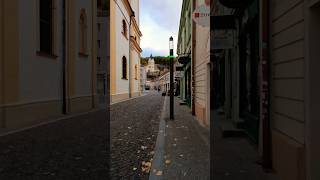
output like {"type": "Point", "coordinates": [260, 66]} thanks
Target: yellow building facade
{"type": "Point", "coordinates": [47, 60]}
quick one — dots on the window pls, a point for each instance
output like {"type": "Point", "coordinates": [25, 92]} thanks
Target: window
{"type": "Point", "coordinates": [46, 27]}
{"type": "Point", "coordinates": [124, 67]}
{"type": "Point", "coordinates": [99, 43]}
{"type": "Point", "coordinates": [83, 32]}
{"type": "Point", "coordinates": [99, 60]}
{"type": "Point", "coordinates": [124, 28]}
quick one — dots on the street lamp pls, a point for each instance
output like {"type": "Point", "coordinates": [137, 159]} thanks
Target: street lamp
{"type": "Point", "coordinates": [171, 45]}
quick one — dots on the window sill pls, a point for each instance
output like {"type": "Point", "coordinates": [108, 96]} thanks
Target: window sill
{"type": "Point", "coordinates": [47, 55]}
{"type": "Point", "coordinates": [83, 54]}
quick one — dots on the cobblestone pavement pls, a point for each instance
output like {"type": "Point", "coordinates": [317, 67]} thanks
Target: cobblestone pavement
{"type": "Point", "coordinates": [69, 149]}
{"type": "Point", "coordinates": [134, 128]}
{"type": "Point", "coordinates": [187, 147]}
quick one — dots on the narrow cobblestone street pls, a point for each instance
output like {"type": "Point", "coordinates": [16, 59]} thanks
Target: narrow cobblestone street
{"type": "Point", "coordinates": [73, 148]}
{"type": "Point", "coordinates": [134, 128]}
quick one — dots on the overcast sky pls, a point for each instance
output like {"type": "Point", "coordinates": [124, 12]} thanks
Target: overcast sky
{"type": "Point", "coordinates": [159, 19]}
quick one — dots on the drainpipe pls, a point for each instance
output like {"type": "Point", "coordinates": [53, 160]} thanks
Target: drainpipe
{"type": "Point", "coordinates": [193, 55]}
{"type": "Point", "coordinates": [129, 62]}
{"type": "Point", "coordinates": [64, 103]}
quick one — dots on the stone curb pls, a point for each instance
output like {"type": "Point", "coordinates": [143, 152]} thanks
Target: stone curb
{"type": "Point", "coordinates": [157, 163]}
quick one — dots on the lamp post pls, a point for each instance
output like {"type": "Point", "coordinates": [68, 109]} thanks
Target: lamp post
{"type": "Point", "coordinates": [171, 78]}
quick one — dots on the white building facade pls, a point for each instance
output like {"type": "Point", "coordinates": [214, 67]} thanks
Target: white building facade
{"type": "Point", "coordinates": [125, 51]}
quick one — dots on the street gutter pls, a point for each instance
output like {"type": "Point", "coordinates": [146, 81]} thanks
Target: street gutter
{"type": "Point", "coordinates": [158, 158]}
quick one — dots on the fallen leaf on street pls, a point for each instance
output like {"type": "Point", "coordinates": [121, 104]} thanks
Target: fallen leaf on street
{"type": "Point", "coordinates": [168, 161]}
{"type": "Point", "coordinates": [146, 166]}
{"type": "Point", "coordinates": [159, 173]}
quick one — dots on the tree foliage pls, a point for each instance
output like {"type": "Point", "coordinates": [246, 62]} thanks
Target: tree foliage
{"type": "Point", "coordinates": [157, 59]}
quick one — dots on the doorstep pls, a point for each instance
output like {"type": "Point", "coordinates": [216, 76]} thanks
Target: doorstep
{"type": "Point", "coordinates": [229, 130]}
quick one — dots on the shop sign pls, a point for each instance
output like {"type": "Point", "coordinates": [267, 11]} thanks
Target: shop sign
{"type": "Point", "coordinates": [201, 14]}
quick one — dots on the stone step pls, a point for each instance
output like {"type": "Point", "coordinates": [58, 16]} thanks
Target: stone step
{"type": "Point", "coordinates": [229, 130]}
{"type": "Point", "coordinates": [182, 103]}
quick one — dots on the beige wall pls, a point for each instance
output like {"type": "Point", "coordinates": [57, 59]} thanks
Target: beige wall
{"type": "Point", "coordinates": [201, 61]}
{"type": "Point", "coordinates": [1, 62]}
{"type": "Point", "coordinates": [31, 84]}
{"type": "Point", "coordinates": [113, 45]}
{"type": "Point", "coordinates": [288, 79]}
{"type": "Point", "coordinates": [313, 89]}
{"type": "Point", "coordinates": [84, 76]}
{"type": "Point", "coordinates": [81, 69]}
{"type": "Point", "coordinates": [38, 70]}
{"type": "Point", "coordinates": [10, 55]}
{"type": "Point", "coordinates": [119, 47]}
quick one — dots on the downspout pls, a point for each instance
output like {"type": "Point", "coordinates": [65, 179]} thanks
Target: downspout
{"type": "Point", "coordinates": [129, 59]}
{"type": "Point", "coordinates": [2, 95]}
{"type": "Point", "coordinates": [193, 55]}
{"type": "Point", "coordinates": [94, 53]}
{"type": "Point", "coordinates": [64, 103]}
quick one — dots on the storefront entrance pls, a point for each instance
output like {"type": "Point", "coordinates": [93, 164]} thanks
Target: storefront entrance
{"type": "Point", "coordinates": [249, 105]}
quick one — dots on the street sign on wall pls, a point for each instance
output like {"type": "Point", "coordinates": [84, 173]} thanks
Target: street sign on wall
{"type": "Point", "coordinates": [201, 15]}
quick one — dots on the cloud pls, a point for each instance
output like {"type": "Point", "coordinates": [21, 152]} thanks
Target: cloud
{"type": "Point", "coordinates": [158, 21]}
{"type": "Point", "coordinates": [166, 12]}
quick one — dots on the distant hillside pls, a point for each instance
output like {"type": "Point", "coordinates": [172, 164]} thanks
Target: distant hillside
{"type": "Point", "coordinates": [157, 59]}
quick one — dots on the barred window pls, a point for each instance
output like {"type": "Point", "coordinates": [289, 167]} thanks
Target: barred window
{"type": "Point", "coordinates": [83, 31]}
{"type": "Point", "coordinates": [46, 26]}
{"type": "Point", "coordinates": [124, 67]}
{"type": "Point", "coordinates": [124, 28]}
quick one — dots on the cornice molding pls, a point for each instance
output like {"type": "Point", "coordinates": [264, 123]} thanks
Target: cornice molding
{"type": "Point", "coordinates": [136, 27]}
{"type": "Point", "coordinates": [128, 7]}
{"type": "Point", "coordinates": [135, 44]}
